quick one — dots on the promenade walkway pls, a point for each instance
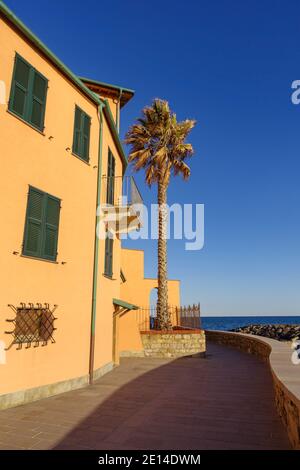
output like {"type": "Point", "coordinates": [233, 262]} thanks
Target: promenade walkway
{"type": "Point", "coordinates": [222, 402]}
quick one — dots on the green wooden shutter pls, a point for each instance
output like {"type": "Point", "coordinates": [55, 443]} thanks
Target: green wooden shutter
{"type": "Point", "coordinates": [28, 93]}
{"type": "Point", "coordinates": [81, 137]}
{"type": "Point", "coordinates": [41, 226]}
{"type": "Point", "coordinates": [34, 223]}
{"type": "Point", "coordinates": [110, 193]}
{"type": "Point", "coordinates": [108, 265]}
{"type": "Point", "coordinates": [52, 210]}
{"type": "Point", "coordinates": [77, 131]}
{"type": "Point", "coordinates": [38, 100]}
{"type": "Point", "coordinates": [111, 246]}
{"type": "Point", "coordinates": [106, 270]}
{"type": "Point", "coordinates": [19, 88]}
{"type": "Point", "coordinates": [86, 125]}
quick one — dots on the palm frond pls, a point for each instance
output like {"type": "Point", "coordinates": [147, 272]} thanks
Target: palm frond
{"type": "Point", "coordinates": [158, 143]}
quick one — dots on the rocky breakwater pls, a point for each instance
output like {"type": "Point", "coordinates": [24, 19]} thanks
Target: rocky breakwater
{"type": "Point", "coordinates": [279, 332]}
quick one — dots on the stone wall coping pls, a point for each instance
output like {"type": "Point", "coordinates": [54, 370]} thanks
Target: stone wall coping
{"type": "Point", "coordinates": [280, 354]}
{"type": "Point", "coordinates": [173, 332]}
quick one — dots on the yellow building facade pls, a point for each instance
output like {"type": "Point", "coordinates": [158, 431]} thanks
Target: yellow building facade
{"type": "Point", "coordinates": [61, 155]}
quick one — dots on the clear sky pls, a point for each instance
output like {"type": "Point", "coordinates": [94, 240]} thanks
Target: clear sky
{"type": "Point", "coordinates": [230, 65]}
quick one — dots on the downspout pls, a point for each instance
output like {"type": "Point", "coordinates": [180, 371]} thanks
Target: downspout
{"type": "Point", "coordinates": [96, 249]}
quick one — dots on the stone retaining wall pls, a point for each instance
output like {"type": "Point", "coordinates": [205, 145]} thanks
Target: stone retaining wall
{"type": "Point", "coordinates": [286, 375]}
{"type": "Point", "coordinates": [176, 344]}
{"type": "Point", "coordinates": [242, 342]}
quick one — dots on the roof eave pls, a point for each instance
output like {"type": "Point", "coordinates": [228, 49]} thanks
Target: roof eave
{"type": "Point", "coordinates": [121, 93]}
{"type": "Point", "coordinates": [20, 26]}
{"type": "Point", "coordinates": [107, 85]}
{"type": "Point", "coordinates": [115, 134]}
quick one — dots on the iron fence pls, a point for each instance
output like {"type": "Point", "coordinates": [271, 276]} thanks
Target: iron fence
{"type": "Point", "coordinates": [190, 316]}
{"type": "Point", "coordinates": [185, 316]}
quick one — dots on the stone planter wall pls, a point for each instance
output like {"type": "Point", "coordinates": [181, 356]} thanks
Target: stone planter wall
{"type": "Point", "coordinates": [177, 343]}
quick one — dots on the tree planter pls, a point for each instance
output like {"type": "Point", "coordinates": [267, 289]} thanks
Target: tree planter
{"type": "Point", "coordinates": [176, 343]}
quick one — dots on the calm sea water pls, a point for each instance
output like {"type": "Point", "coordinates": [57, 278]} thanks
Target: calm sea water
{"type": "Point", "coordinates": [228, 323]}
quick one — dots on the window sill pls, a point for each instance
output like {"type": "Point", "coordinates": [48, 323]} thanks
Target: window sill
{"type": "Point", "coordinates": [26, 122]}
{"type": "Point", "coordinates": [87, 162]}
{"type": "Point", "coordinates": [108, 277]}
{"type": "Point", "coordinates": [39, 259]}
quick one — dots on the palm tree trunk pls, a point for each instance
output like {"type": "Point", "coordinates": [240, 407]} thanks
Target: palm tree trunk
{"type": "Point", "coordinates": [163, 315]}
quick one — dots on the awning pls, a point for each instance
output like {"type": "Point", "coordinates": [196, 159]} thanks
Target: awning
{"type": "Point", "coordinates": [123, 304]}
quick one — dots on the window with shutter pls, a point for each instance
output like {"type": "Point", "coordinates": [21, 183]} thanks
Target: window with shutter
{"type": "Point", "coordinates": [108, 263]}
{"type": "Point", "coordinates": [81, 136]}
{"type": "Point", "coordinates": [41, 225]}
{"type": "Point", "coordinates": [28, 93]}
{"type": "Point", "coordinates": [110, 193]}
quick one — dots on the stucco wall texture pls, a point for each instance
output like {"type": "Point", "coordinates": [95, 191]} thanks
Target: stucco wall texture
{"type": "Point", "coordinates": [45, 161]}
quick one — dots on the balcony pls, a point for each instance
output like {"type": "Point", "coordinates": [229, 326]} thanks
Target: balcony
{"type": "Point", "coordinates": [121, 209]}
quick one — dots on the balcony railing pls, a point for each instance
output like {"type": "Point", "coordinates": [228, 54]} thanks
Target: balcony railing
{"type": "Point", "coordinates": [120, 191]}
{"type": "Point", "coordinates": [120, 202]}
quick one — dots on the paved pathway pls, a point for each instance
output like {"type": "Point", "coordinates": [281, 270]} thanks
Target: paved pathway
{"type": "Point", "coordinates": [222, 402]}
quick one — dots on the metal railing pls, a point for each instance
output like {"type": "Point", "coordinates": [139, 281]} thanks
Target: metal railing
{"type": "Point", "coordinates": [186, 316]}
{"type": "Point", "coordinates": [120, 191]}
{"type": "Point", "coordinates": [190, 316]}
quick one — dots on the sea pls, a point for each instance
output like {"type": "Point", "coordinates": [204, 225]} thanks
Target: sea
{"type": "Point", "coordinates": [229, 323]}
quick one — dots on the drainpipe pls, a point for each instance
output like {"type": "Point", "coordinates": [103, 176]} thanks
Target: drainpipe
{"type": "Point", "coordinates": [96, 250]}
{"type": "Point", "coordinates": [118, 110]}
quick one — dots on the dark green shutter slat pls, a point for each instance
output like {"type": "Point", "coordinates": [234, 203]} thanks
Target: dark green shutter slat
{"type": "Point", "coordinates": [33, 228]}
{"type": "Point", "coordinates": [39, 92]}
{"type": "Point", "coordinates": [22, 71]}
{"type": "Point", "coordinates": [33, 240]}
{"type": "Point", "coordinates": [77, 131]}
{"type": "Point", "coordinates": [108, 256]}
{"type": "Point", "coordinates": [86, 136]}
{"type": "Point", "coordinates": [50, 245]}
{"type": "Point", "coordinates": [52, 211]}
{"type": "Point", "coordinates": [39, 87]}
{"type": "Point", "coordinates": [18, 101]}
{"type": "Point", "coordinates": [19, 89]}
{"type": "Point", "coordinates": [110, 179]}
{"type": "Point", "coordinates": [81, 137]}
{"type": "Point", "coordinates": [35, 209]}
{"type": "Point", "coordinates": [51, 227]}
{"type": "Point", "coordinates": [111, 256]}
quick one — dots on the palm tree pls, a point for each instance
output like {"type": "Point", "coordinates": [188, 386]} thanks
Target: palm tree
{"type": "Point", "coordinates": [158, 145]}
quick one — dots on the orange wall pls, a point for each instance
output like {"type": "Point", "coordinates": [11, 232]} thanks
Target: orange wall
{"type": "Point", "coordinates": [136, 290]}
{"type": "Point", "coordinates": [107, 288]}
{"type": "Point", "coordinates": [30, 158]}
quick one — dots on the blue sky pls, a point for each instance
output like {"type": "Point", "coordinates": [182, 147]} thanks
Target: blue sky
{"type": "Point", "coordinates": [230, 66]}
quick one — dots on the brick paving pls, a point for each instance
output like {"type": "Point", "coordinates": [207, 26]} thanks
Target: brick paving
{"type": "Point", "coordinates": [222, 402]}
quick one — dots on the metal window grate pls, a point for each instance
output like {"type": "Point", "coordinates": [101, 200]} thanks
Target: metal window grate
{"type": "Point", "coordinates": [32, 324]}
